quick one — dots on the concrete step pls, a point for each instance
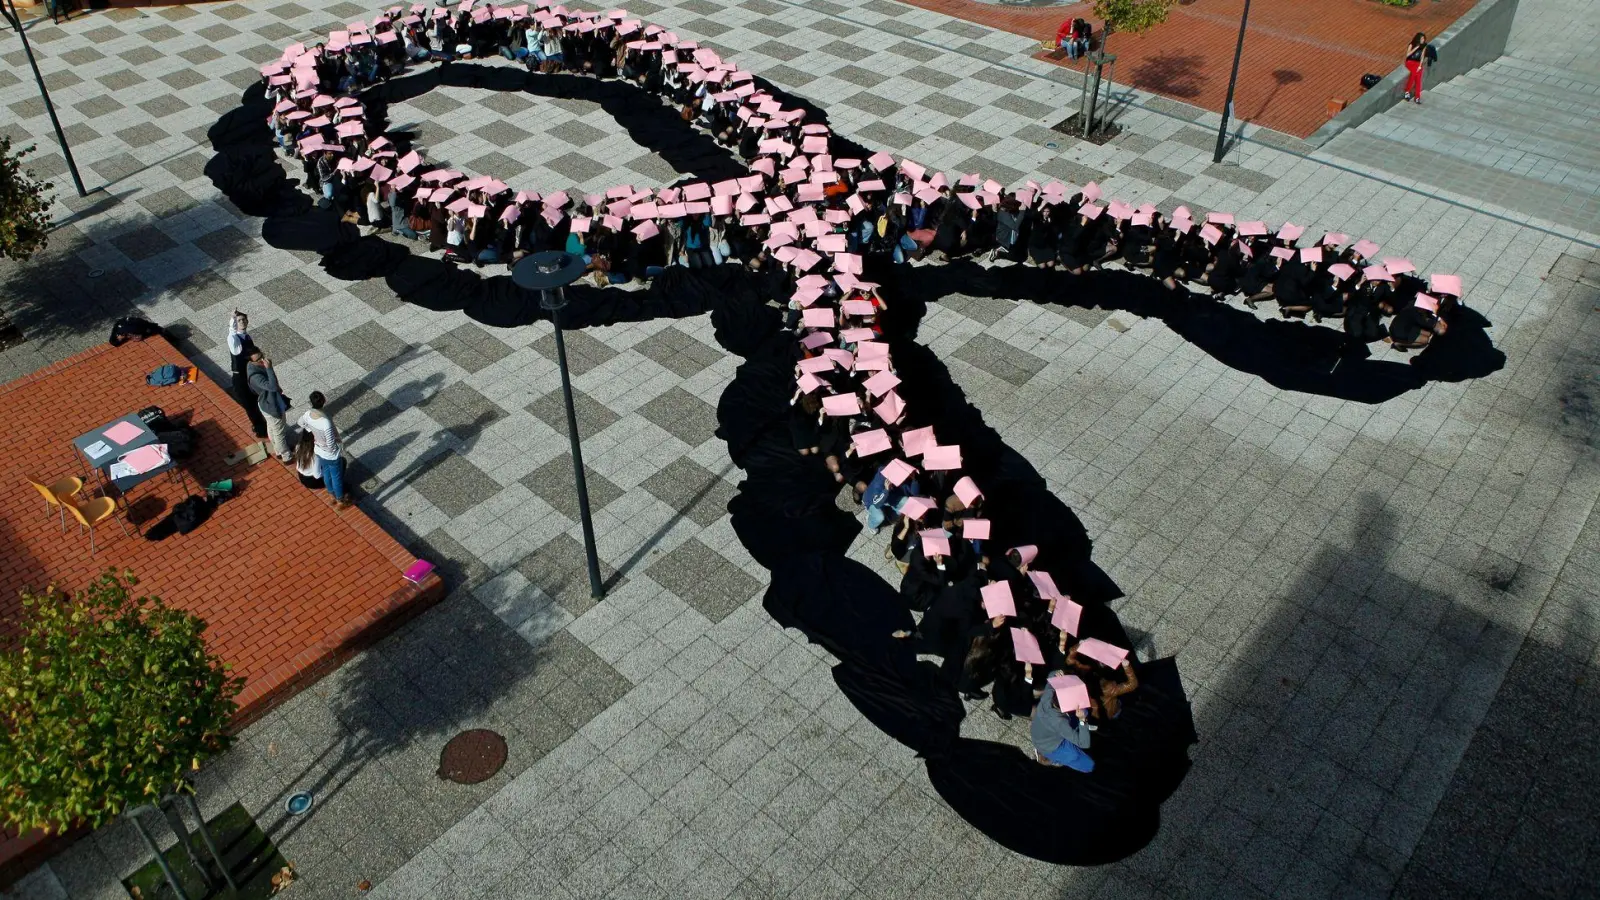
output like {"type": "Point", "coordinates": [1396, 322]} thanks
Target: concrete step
{"type": "Point", "coordinates": [1506, 112]}
{"type": "Point", "coordinates": [1533, 70]}
{"type": "Point", "coordinates": [1510, 123]}
{"type": "Point", "coordinates": [1509, 84]}
{"type": "Point", "coordinates": [1448, 144]}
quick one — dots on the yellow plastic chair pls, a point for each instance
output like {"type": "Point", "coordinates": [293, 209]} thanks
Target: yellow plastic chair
{"type": "Point", "coordinates": [56, 493]}
{"type": "Point", "coordinates": [90, 513]}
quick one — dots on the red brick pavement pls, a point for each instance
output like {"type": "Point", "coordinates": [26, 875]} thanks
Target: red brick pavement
{"type": "Point", "coordinates": [289, 587]}
{"type": "Point", "coordinates": [1298, 55]}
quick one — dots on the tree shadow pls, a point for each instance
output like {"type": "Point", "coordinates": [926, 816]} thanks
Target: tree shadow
{"type": "Point", "coordinates": [1344, 681]}
{"type": "Point", "coordinates": [1176, 75]}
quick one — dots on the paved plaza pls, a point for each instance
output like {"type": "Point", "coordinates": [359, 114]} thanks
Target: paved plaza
{"type": "Point", "coordinates": [1384, 614]}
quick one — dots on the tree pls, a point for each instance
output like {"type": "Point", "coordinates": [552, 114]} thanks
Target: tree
{"type": "Point", "coordinates": [24, 206]}
{"type": "Point", "coordinates": [1131, 16]}
{"type": "Point", "coordinates": [106, 700]}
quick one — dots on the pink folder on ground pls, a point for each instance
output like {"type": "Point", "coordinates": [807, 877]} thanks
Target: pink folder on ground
{"type": "Point", "coordinates": [418, 571]}
{"type": "Point", "coordinates": [123, 432]}
{"type": "Point", "coordinates": [1026, 646]}
{"type": "Point", "coordinates": [1102, 652]}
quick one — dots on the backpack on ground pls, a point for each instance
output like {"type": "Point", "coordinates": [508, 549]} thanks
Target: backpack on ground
{"type": "Point", "coordinates": [132, 328]}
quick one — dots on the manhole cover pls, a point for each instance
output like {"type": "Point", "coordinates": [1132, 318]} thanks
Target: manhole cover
{"type": "Point", "coordinates": [472, 756]}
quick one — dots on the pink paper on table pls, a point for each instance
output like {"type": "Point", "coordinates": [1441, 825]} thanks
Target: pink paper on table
{"type": "Point", "coordinates": [997, 600]}
{"type": "Point", "coordinates": [967, 490]}
{"type": "Point", "coordinates": [975, 529]}
{"type": "Point", "coordinates": [1066, 616]}
{"type": "Point", "coordinates": [915, 508]}
{"type": "Point", "coordinates": [1026, 646]}
{"type": "Point", "coordinates": [942, 458]}
{"type": "Point", "coordinates": [145, 458]}
{"type": "Point", "coordinates": [870, 442]}
{"type": "Point", "coordinates": [891, 409]}
{"type": "Point", "coordinates": [897, 471]}
{"type": "Point", "coordinates": [841, 405]}
{"type": "Point", "coordinates": [881, 383]}
{"type": "Point", "coordinates": [817, 318]}
{"type": "Point", "coordinates": [1044, 584]}
{"type": "Point", "coordinates": [123, 432]}
{"type": "Point", "coordinates": [1071, 693]}
{"type": "Point", "coordinates": [917, 440]}
{"type": "Point", "coordinates": [1102, 652]}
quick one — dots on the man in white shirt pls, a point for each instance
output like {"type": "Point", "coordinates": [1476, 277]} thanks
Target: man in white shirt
{"type": "Point", "coordinates": [329, 450]}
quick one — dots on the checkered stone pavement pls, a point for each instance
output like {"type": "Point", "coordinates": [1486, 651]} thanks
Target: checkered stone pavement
{"type": "Point", "coordinates": [1345, 586]}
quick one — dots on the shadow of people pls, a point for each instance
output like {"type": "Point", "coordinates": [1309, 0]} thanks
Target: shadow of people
{"type": "Point", "coordinates": [1289, 354]}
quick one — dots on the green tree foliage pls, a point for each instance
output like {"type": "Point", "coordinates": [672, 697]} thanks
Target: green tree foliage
{"type": "Point", "coordinates": [24, 206]}
{"type": "Point", "coordinates": [1132, 16]}
{"type": "Point", "coordinates": [106, 700]}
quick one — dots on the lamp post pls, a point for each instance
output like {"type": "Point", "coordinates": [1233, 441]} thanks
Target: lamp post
{"type": "Point", "coordinates": [549, 273]}
{"type": "Point", "coordinates": [1227, 107]}
{"type": "Point", "coordinates": [8, 9]}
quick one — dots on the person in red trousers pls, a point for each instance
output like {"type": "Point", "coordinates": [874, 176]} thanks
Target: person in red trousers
{"type": "Point", "coordinates": [1416, 55]}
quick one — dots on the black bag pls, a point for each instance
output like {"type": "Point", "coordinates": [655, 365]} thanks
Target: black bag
{"type": "Point", "coordinates": [132, 328]}
{"type": "Point", "coordinates": [150, 415]}
{"type": "Point", "coordinates": [179, 441]}
{"type": "Point", "coordinates": [189, 514]}
{"type": "Point", "coordinates": [1370, 80]}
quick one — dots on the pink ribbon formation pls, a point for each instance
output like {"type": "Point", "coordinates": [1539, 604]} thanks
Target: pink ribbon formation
{"type": "Point", "coordinates": [801, 196]}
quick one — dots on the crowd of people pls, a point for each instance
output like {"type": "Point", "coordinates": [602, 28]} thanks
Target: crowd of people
{"type": "Point", "coordinates": [1000, 621]}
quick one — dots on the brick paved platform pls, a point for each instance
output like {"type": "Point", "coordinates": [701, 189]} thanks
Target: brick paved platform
{"type": "Point", "coordinates": [1297, 55]}
{"type": "Point", "coordinates": [288, 586]}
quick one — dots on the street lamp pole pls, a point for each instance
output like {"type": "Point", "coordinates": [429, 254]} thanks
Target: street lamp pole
{"type": "Point", "coordinates": [549, 273]}
{"type": "Point", "coordinates": [8, 8]}
{"type": "Point", "coordinates": [1227, 107]}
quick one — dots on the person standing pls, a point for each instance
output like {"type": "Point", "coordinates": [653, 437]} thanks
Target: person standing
{"type": "Point", "coordinates": [329, 449]}
{"type": "Point", "coordinates": [240, 347]}
{"type": "Point", "coordinates": [272, 403]}
{"type": "Point", "coordinates": [1419, 53]}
